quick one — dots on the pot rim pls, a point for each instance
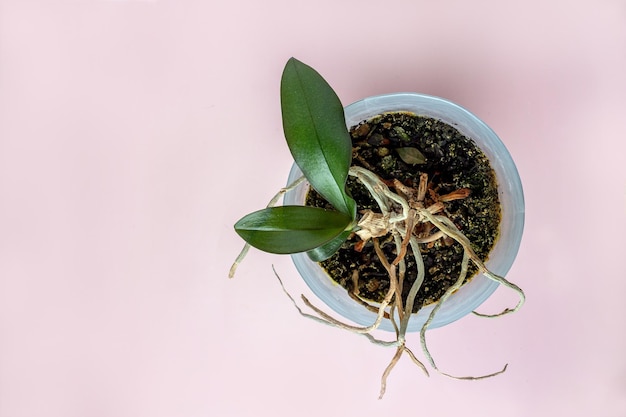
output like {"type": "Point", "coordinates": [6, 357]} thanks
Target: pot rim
{"type": "Point", "coordinates": [479, 288]}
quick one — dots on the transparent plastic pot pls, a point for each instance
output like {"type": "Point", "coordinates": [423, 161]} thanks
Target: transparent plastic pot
{"type": "Point", "coordinates": [479, 288]}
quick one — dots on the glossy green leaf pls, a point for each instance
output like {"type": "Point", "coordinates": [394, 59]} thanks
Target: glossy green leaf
{"type": "Point", "coordinates": [315, 129]}
{"type": "Point", "coordinates": [291, 229]}
{"type": "Point", "coordinates": [327, 250]}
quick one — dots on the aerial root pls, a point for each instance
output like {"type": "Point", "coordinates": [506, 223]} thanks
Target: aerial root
{"type": "Point", "coordinates": [383, 379]}
{"type": "Point", "coordinates": [328, 320]}
{"type": "Point", "coordinates": [403, 213]}
{"type": "Point", "coordinates": [272, 203]}
{"type": "Point", "coordinates": [475, 378]}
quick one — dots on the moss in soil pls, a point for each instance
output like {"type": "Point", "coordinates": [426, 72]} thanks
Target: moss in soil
{"type": "Point", "coordinates": [453, 161]}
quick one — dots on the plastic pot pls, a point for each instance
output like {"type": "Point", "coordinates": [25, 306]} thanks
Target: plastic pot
{"type": "Point", "coordinates": [501, 257]}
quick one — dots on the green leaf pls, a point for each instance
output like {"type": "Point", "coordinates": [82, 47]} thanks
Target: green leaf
{"type": "Point", "coordinates": [327, 250]}
{"type": "Point", "coordinates": [411, 156]}
{"type": "Point", "coordinates": [315, 129]}
{"type": "Point", "coordinates": [291, 229]}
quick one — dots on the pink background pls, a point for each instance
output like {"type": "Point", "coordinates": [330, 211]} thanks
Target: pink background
{"type": "Point", "coordinates": [133, 134]}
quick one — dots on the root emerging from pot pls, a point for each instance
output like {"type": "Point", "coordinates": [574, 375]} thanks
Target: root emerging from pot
{"type": "Point", "coordinates": [400, 213]}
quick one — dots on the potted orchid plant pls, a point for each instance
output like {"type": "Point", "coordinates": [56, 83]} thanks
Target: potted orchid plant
{"type": "Point", "coordinates": [396, 205]}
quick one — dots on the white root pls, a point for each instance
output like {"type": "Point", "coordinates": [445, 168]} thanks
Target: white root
{"type": "Point", "coordinates": [399, 214]}
{"type": "Point", "coordinates": [272, 203]}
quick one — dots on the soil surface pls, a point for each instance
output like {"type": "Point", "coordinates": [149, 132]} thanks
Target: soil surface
{"type": "Point", "coordinates": [452, 161]}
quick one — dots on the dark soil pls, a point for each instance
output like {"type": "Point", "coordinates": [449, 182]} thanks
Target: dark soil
{"type": "Point", "coordinates": [453, 161]}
